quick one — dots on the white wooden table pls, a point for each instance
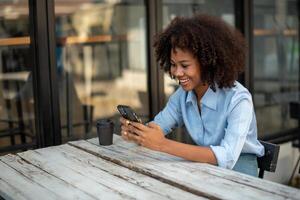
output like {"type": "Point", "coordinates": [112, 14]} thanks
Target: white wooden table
{"type": "Point", "coordinates": [84, 170]}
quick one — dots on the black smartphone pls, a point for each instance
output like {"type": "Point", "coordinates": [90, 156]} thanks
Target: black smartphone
{"type": "Point", "coordinates": [128, 113]}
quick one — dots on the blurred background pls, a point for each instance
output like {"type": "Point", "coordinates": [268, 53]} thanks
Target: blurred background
{"type": "Point", "coordinates": [64, 64]}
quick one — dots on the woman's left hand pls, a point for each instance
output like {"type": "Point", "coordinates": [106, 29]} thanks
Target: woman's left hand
{"type": "Point", "coordinates": [150, 136]}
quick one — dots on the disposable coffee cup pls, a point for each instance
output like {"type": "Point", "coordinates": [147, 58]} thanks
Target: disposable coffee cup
{"type": "Point", "coordinates": [105, 130]}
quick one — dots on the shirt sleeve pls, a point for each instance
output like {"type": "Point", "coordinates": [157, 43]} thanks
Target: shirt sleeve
{"type": "Point", "coordinates": [239, 119]}
{"type": "Point", "coordinates": [170, 117]}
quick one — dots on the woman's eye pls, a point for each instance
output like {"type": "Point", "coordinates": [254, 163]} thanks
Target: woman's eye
{"type": "Point", "coordinates": [184, 66]}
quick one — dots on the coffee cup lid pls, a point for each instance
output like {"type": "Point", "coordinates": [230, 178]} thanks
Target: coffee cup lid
{"type": "Point", "coordinates": [105, 122]}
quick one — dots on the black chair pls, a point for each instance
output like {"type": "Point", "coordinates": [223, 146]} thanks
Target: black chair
{"type": "Point", "coordinates": [268, 162]}
{"type": "Point", "coordinates": [295, 114]}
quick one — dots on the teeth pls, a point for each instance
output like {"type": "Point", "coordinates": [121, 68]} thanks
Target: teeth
{"type": "Point", "coordinates": [183, 80]}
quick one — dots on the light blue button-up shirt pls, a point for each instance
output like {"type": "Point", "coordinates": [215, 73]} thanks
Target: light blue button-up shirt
{"type": "Point", "coordinates": [226, 122]}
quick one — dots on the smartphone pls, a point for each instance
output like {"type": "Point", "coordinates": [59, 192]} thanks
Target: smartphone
{"type": "Point", "coordinates": [128, 113]}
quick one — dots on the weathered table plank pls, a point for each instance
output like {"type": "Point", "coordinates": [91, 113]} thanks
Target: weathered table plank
{"type": "Point", "coordinates": [98, 184]}
{"type": "Point", "coordinates": [13, 185]}
{"type": "Point", "coordinates": [169, 171]}
{"type": "Point", "coordinates": [85, 170]}
{"type": "Point", "coordinates": [93, 168]}
{"type": "Point", "coordinates": [241, 178]}
{"type": "Point", "coordinates": [61, 189]}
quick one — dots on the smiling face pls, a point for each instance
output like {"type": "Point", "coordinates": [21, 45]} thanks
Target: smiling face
{"type": "Point", "coordinates": [186, 68]}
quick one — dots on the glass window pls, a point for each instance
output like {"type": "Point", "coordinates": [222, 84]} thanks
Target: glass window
{"type": "Point", "coordinates": [173, 8]}
{"type": "Point", "coordinates": [17, 126]}
{"type": "Point", "coordinates": [101, 62]}
{"type": "Point", "coordinates": [276, 64]}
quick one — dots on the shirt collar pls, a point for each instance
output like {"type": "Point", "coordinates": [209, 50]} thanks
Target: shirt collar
{"type": "Point", "coordinates": [209, 99]}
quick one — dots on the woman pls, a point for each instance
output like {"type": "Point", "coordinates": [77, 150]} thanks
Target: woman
{"type": "Point", "coordinates": [206, 56]}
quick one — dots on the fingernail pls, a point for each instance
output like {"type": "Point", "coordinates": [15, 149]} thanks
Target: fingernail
{"type": "Point", "coordinates": [127, 122]}
{"type": "Point", "coordinates": [125, 133]}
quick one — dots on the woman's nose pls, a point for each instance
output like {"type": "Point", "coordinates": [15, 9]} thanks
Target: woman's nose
{"type": "Point", "coordinates": [178, 71]}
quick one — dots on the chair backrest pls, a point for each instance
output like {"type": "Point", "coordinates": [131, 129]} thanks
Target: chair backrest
{"type": "Point", "coordinates": [268, 162]}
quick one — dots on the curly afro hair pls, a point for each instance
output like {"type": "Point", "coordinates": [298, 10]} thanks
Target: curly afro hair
{"type": "Point", "coordinates": [219, 48]}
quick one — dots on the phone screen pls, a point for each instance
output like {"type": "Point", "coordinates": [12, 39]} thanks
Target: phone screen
{"type": "Point", "coordinates": [128, 113]}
